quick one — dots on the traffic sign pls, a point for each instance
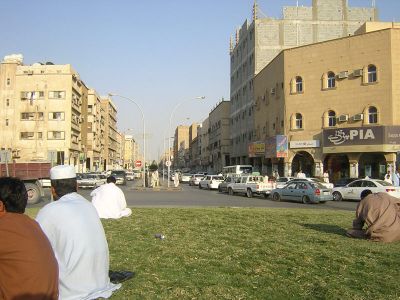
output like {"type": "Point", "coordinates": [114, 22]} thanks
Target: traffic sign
{"type": "Point", "coordinates": [138, 163]}
{"type": "Point", "coordinates": [168, 163]}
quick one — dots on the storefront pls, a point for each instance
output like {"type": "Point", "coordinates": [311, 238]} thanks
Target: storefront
{"type": "Point", "coordinates": [302, 159]}
{"type": "Point", "coordinates": [360, 151]}
{"type": "Point", "coordinates": [256, 152]}
{"type": "Point", "coordinates": [276, 151]}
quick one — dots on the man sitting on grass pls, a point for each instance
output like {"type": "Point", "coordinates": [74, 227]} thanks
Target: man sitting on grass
{"type": "Point", "coordinates": [77, 236]}
{"type": "Point", "coordinates": [28, 267]}
{"type": "Point", "coordinates": [109, 201]}
{"type": "Point", "coordinates": [381, 213]}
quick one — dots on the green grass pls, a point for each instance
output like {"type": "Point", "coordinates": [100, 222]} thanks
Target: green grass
{"type": "Point", "coordinates": [230, 253]}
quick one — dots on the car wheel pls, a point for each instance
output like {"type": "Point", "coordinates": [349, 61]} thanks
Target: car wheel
{"type": "Point", "coordinates": [200, 186]}
{"type": "Point", "coordinates": [230, 191]}
{"type": "Point", "coordinates": [323, 202]}
{"type": "Point", "coordinates": [276, 197]}
{"type": "Point", "coordinates": [305, 200]}
{"type": "Point", "coordinates": [208, 187]}
{"type": "Point", "coordinates": [249, 193]}
{"type": "Point", "coordinates": [219, 189]}
{"type": "Point", "coordinates": [266, 196]}
{"type": "Point", "coordinates": [337, 196]}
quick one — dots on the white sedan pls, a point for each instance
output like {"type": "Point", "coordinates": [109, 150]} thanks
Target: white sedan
{"type": "Point", "coordinates": [211, 182]}
{"type": "Point", "coordinates": [354, 189]}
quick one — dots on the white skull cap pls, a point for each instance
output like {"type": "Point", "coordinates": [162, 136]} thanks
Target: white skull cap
{"type": "Point", "coordinates": [62, 172]}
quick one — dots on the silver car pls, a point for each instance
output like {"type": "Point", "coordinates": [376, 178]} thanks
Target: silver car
{"type": "Point", "coordinates": [303, 191]}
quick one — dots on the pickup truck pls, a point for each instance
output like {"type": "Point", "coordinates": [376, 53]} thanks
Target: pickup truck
{"type": "Point", "coordinates": [250, 185]}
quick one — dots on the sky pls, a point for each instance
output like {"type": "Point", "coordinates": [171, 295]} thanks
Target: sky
{"type": "Point", "coordinates": [158, 53]}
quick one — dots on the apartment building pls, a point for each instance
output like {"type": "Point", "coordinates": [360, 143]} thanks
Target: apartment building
{"type": "Point", "coordinates": [111, 155]}
{"type": "Point", "coordinates": [203, 144]}
{"type": "Point", "coordinates": [258, 42]}
{"type": "Point", "coordinates": [332, 106]}
{"type": "Point", "coordinates": [41, 111]}
{"type": "Point", "coordinates": [219, 136]}
{"type": "Point", "coordinates": [181, 147]}
{"type": "Point", "coordinates": [128, 152]}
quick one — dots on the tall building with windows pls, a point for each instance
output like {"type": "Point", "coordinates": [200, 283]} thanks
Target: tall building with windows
{"type": "Point", "coordinates": [335, 106]}
{"type": "Point", "coordinates": [258, 42]}
{"type": "Point", "coordinates": [41, 111]}
{"type": "Point", "coordinates": [111, 154]}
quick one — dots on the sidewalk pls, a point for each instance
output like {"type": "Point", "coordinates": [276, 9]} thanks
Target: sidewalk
{"type": "Point", "coordinates": [138, 186]}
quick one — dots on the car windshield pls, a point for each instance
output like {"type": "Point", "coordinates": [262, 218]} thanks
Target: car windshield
{"type": "Point", "coordinates": [217, 178]}
{"type": "Point", "coordinates": [186, 174]}
{"type": "Point", "coordinates": [316, 180]}
{"type": "Point", "coordinates": [282, 179]}
{"type": "Point", "coordinates": [384, 183]}
{"type": "Point", "coordinates": [317, 185]}
{"type": "Point", "coordinates": [118, 173]}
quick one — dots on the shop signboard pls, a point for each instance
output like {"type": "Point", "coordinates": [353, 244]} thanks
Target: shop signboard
{"type": "Point", "coordinates": [368, 135]}
{"type": "Point", "coordinates": [276, 146]}
{"type": "Point", "coordinates": [256, 149]}
{"type": "Point", "coordinates": [304, 144]}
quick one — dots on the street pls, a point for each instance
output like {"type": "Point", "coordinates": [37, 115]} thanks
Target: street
{"type": "Point", "coordinates": [192, 196]}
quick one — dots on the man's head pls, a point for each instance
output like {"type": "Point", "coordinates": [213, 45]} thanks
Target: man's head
{"type": "Point", "coordinates": [13, 195]}
{"type": "Point", "coordinates": [365, 194]}
{"type": "Point", "coordinates": [63, 180]}
{"type": "Point", "coordinates": [111, 179]}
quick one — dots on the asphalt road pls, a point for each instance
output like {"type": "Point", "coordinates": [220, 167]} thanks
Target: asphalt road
{"type": "Point", "coordinates": [188, 196]}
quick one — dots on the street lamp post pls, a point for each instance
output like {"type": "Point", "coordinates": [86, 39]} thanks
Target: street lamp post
{"type": "Point", "coordinates": [169, 130]}
{"type": "Point", "coordinates": [144, 133]}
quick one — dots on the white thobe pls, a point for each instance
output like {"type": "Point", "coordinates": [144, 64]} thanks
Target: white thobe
{"type": "Point", "coordinates": [80, 246]}
{"type": "Point", "coordinates": [109, 201]}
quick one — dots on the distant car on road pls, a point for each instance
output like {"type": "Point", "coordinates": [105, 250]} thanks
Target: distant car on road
{"type": "Point", "coordinates": [223, 186]}
{"type": "Point", "coordinates": [120, 176]}
{"type": "Point", "coordinates": [195, 179]}
{"type": "Point", "coordinates": [185, 177]}
{"type": "Point", "coordinates": [303, 191]}
{"type": "Point", "coordinates": [90, 180]}
{"type": "Point", "coordinates": [130, 176]}
{"type": "Point", "coordinates": [282, 181]}
{"type": "Point", "coordinates": [211, 182]}
{"type": "Point", "coordinates": [353, 190]}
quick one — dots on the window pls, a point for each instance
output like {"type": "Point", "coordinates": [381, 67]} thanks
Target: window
{"type": "Point", "coordinates": [8, 102]}
{"type": "Point", "coordinates": [299, 121]}
{"type": "Point", "coordinates": [40, 135]}
{"type": "Point", "coordinates": [56, 115]}
{"type": "Point", "coordinates": [331, 80]}
{"type": "Point", "coordinates": [28, 116]}
{"type": "Point", "coordinates": [372, 76]}
{"type": "Point", "coordinates": [372, 115]}
{"type": "Point", "coordinates": [331, 118]}
{"type": "Point", "coordinates": [57, 95]}
{"type": "Point", "coordinates": [299, 84]}
{"type": "Point", "coordinates": [27, 135]}
{"type": "Point", "coordinates": [8, 81]}
{"type": "Point", "coordinates": [7, 122]}
{"type": "Point", "coordinates": [55, 135]}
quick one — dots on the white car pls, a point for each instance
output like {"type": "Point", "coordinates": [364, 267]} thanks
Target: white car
{"type": "Point", "coordinates": [195, 179]}
{"type": "Point", "coordinates": [130, 176]}
{"type": "Point", "coordinates": [328, 185]}
{"type": "Point", "coordinates": [354, 189]}
{"type": "Point", "coordinates": [211, 182]}
{"type": "Point", "coordinates": [185, 177]}
{"type": "Point", "coordinates": [281, 181]}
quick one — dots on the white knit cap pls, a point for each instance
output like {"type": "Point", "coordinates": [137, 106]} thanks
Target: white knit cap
{"type": "Point", "coordinates": [62, 172]}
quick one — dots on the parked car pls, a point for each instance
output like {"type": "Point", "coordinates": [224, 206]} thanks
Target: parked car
{"type": "Point", "coordinates": [303, 191]}
{"type": "Point", "coordinates": [90, 180]}
{"type": "Point", "coordinates": [195, 179]}
{"type": "Point", "coordinates": [282, 181]}
{"type": "Point", "coordinates": [130, 176]}
{"type": "Point", "coordinates": [185, 177]}
{"type": "Point", "coordinates": [223, 186]}
{"type": "Point", "coordinates": [120, 176]}
{"type": "Point", "coordinates": [211, 181]}
{"type": "Point", "coordinates": [344, 181]}
{"type": "Point", "coordinates": [353, 190]}
{"type": "Point", "coordinates": [328, 185]}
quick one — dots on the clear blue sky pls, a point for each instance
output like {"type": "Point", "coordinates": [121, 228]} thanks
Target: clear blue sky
{"type": "Point", "coordinates": [158, 52]}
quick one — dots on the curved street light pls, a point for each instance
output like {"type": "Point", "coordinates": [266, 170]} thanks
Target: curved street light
{"type": "Point", "coordinates": [169, 130]}
{"type": "Point", "coordinates": [144, 132]}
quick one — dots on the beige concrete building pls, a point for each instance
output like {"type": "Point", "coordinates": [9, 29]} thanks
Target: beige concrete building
{"type": "Point", "coordinates": [181, 147]}
{"type": "Point", "coordinates": [219, 136]}
{"type": "Point", "coordinates": [331, 106]}
{"type": "Point", "coordinates": [41, 111]}
{"type": "Point", "coordinates": [204, 146]}
{"type": "Point", "coordinates": [111, 158]}
{"type": "Point", "coordinates": [129, 157]}
{"type": "Point", "coordinates": [258, 42]}
{"type": "Point", "coordinates": [93, 131]}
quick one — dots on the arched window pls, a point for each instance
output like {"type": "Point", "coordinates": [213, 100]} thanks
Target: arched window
{"type": "Point", "coordinates": [372, 115]}
{"type": "Point", "coordinates": [299, 84]}
{"type": "Point", "coordinates": [331, 118]}
{"type": "Point", "coordinates": [331, 80]}
{"type": "Point", "coordinates": [372, 76]}
{"type": "Point", "coordinates": [298, 121]}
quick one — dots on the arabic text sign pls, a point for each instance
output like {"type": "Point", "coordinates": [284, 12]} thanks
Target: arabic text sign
{"type": "Point", "coordinates": [304, 144]}
{"type": "Point", "coordinates": [256, 149]}
{"type": "Point", "coordinates": [369, 135]}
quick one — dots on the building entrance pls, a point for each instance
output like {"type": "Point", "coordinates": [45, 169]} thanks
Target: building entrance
{"type": "Point", "coordinates": [372, 165]}
{"type": "Point", "coordinates": [303, 161]}
{"type": "Point", "coordinates": [337, 166]}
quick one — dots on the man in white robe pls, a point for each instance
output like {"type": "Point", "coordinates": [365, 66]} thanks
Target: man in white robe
{"type": "Point", "coordinates": [109, 201]}
{"type": "Point", "coordinates": [78, 240]}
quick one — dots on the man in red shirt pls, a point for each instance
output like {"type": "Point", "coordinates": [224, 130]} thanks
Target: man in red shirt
{"type": "Point", "coordinates": [28, 267]}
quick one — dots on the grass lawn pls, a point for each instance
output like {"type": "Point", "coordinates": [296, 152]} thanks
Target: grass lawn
{"type": "Point", "coordinates": [236, 253]}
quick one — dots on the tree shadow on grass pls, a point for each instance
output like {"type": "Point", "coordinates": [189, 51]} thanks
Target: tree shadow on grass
{"type": "Point", "coordinates": [328, 228]}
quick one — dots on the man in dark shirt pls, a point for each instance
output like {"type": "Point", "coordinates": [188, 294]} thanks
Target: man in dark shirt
{"type": "Point", "coordinates": [28, 267]}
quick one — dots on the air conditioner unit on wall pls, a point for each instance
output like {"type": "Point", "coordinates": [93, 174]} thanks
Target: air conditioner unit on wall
{"type": "Point", "coordinates": [358, 73]}
{"type": "Point", "coordinates": [343, 118]}
{"type": "Point", "coordinates": [358, 117]}
{"type": "Point", "coordinates": [343, 74]}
